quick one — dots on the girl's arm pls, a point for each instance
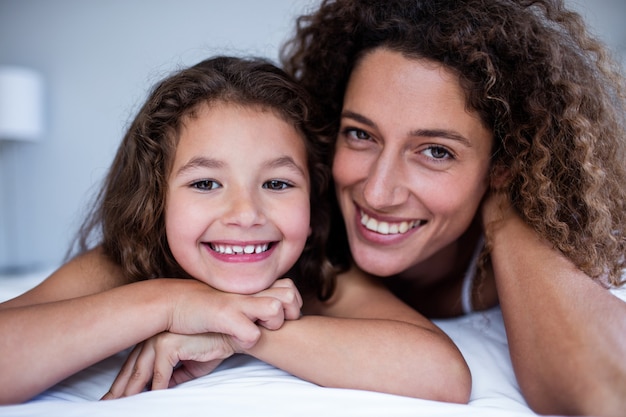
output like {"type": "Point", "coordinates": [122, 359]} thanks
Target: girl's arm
{"type": "Point", "coordinates": [365, 338]}
{"type": "Point", "coordinates": [567, 334]}
{"type": "Point", "coordinates": [83, 314]}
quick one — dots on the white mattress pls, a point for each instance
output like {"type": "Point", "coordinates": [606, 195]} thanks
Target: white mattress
{"type": "Point", "coordinates": [243, 386]}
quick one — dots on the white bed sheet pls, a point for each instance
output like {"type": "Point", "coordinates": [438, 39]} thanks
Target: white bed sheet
{"type": "Point", "coordinates": [243, 386]}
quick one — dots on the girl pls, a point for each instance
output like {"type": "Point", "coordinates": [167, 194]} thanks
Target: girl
{"type": "Point", "coordinates": [213, 181]}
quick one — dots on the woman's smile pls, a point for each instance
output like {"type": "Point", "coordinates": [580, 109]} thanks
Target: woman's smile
{"type": "Point", "coordinates": [384, 227]}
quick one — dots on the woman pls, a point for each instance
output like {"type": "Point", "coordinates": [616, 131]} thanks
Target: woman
{"type": "Point", "coordinates": [538, 174]}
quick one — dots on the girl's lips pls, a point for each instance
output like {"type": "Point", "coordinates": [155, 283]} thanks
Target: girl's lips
{"type": "Point", "coordinates": [244, 252]}
{"type": "Point", "coordinates": [248, 249]}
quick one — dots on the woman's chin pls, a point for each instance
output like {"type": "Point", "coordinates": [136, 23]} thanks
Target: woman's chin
{"type": "Point", "coordinates": [378, 265]}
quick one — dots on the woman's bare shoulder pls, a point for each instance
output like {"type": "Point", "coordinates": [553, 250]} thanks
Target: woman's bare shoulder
{"type": "Point", "coordinates": [360, 295]}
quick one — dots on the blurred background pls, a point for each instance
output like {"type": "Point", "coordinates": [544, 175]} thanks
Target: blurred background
{"type": "Point", "coordinates": [93, 63]}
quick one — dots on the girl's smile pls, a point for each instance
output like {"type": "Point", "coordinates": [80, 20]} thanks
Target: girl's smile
{"type": "Point", "coordinates": [242, 248]}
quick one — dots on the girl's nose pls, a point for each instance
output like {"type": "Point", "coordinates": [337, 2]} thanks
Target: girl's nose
{"type": "Point", "coordinates": [244, 210]}
{"type": "Point", "coordinates": [385, 185]}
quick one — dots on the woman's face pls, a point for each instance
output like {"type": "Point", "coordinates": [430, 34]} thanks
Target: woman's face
{"type": "Point", "coordinates": [411, 163]}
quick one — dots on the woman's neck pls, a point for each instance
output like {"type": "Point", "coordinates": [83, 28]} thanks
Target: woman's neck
{"type": "Point", "coordinates": [434, 286]}
{"type": "Point", "coordinates": [450, 263]}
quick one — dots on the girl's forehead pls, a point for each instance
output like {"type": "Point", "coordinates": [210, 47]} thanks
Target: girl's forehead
{"type": "Point", "coordinates": [229, 123]}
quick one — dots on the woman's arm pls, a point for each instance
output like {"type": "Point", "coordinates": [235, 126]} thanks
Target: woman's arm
{"type": "Point", "coordinates": [365, 338]}
{"type": "Point", "coordinates": [83, 314]}
{"type": "Point", "coordinates": [567, 334]}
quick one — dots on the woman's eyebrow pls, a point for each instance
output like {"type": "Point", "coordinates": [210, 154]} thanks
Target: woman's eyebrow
{"type": "Point", "coordinates": [357, 117]}
{"type": "Point", "coordinates": [427, 133]}
{"type": "Point", "coordinates": [442, 133]}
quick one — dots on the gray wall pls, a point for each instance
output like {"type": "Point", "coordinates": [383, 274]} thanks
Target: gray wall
{"type": "Point", "coordinates": [98, 59]}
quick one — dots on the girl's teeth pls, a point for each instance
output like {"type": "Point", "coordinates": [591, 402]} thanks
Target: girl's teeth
{"type": "Point", "coordinates": [239, 250]}
{"type": "Point", "coordinates": [386, 228]}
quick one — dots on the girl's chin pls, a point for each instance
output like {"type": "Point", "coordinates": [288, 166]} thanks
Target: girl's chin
{"type": "Point", "coordinates": [244, 287]}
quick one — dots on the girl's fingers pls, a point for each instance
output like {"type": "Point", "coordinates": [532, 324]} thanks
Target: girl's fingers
{"type": "Point", "coordinates": [142, 371]}
{"type": "Point", "coordinates": [191, 370]}
{"type": "Point", "coordinates": [163, 369]}
{"type": "Point", "coordinates": [121, 380]}
{"type": "Point", "coordinates": [274, 316]}
{"type": "Point", "coordinates": [287, 294]}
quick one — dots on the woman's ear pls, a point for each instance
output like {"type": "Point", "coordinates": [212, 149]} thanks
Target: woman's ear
{"type": "Point", "coordinates": [500, 177]}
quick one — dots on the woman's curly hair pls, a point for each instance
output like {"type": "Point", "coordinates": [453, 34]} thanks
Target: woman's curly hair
{"type": "Point", "coordinates": [549, 91]}
{"type": "Point", "coordinates": [127, 218]}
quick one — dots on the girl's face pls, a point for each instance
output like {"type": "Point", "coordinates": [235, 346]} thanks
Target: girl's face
{"type": "Point", "coordinates": [411, 163]}
{"type": "Point", "coordinates": [237, 211]}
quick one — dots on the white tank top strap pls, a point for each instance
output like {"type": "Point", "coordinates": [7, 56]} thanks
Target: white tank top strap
{"type": "Point", "coordinates": [468, 278]}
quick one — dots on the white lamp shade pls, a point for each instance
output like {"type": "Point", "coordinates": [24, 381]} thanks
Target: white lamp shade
{"type": "Point", "coordinates": [21, 104]}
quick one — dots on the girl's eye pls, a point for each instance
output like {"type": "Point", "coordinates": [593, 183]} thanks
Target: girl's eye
{"type": "Point", "coordinates": [437, 152]}
{"type": "Point", "coordinates": [276, 185]}
{"type": "Point", "coordinates": [205, 185]}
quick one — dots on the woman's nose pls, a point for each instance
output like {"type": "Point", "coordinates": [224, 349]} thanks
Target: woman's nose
{"type": "Point", "coordinates": [244, 209]}
{"type": "Point", "coordinates": [385, 185]}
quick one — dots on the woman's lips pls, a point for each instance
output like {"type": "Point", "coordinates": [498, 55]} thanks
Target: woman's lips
{"type": "Point", "coordinates": [388, 228]}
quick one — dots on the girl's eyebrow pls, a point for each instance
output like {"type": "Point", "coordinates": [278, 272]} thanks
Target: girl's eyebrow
{"type": "Point", "coordinates": [205, 162]}
{"type": "Point", "coordinates": [199, 162]}
{"type": "Point", "coordinates": [286, 161]}
{"type": "Point", "coordinates": [428, 133]}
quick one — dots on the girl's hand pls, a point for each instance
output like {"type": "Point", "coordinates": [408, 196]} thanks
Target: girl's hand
{"type": "Point", "coordinates": [202, 309]}
{"type": "Point", "coordinates": [285, 291]}
{"type": "Point", "coordinates": [169, 359]}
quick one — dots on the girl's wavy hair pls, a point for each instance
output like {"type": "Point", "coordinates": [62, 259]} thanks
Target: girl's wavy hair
{"type": "Point", "coordinates": [548, 90]}
{"type": "Point", "coordinates": [127, 218]}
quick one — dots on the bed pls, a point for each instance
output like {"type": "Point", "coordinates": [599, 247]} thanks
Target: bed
{"type": "Point", "coordinates": [243, 386]}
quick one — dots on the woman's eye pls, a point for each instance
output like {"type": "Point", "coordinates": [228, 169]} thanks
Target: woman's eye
{"type": "Point", "coordinates": [357, 134]}
{"type": "Point", "coordinates": [437, 152]}
{"type": "Point", "coordinates": [205, 185]}
{"type": "Point", "coordinates": [276, 185]}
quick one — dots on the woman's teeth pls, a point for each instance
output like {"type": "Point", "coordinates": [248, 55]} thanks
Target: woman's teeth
{"type": "Point", "coordinates": [239, 250]}
{"type": "Point", "coordinates": [386, 228]}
